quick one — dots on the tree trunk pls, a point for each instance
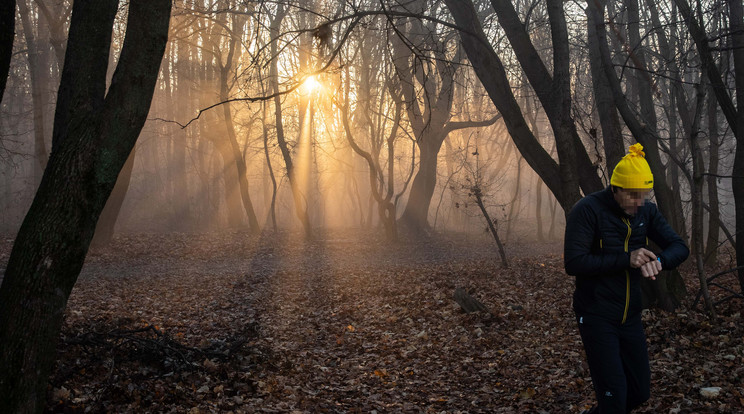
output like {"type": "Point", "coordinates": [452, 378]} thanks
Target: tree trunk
{"type": "Point", "coordinates": [93, 135]}
{"type": "Point", "coordinates": [56, 15]}
{"type": "Point", "coordinates": [230, 177]}
{"type": "Point", "coordinates": [428, 120]}
{"type": "Point", "coordinates": [179, 100]}
{"type": "Point", "coordinates": [479, 201]}
{"type": "Point", "coordinates": [106, 223]}
{"type": "Point", "coordinates": [714, 212]}
{"type": "Point", "coordinates": [272, 207]}
{"type": "Point", "coordinates": [611, 129]}
{"type": "Point", "coordinates": [516, 201]}
{"type": "Point", "coordinates": [7, 35]}
{"type": "Point", "coordinates": [553, 208]}
{"type": "Point", "coordinates": [538, 209]}
{"type": "Point", "coordinates": [36, 67]}
{"type": "Point", "coordinates": [299, 201]}
{"type": "Point", "coordinates": [242, 172]}
{"type": "Point", "coordinates": [669, 201]}
{"type": "Point", "coordinates": [237, 155]}
{"type": "Point", "coordinates": [734, 117]}
{"type": "Point", "coordinates": [737, 182]}
{"type": "Point", "coordinates": [385, 208]}
{"type": "Point", "coordinates": [698, 168]}
{"type": "Point", "coordinates": [416, 214]}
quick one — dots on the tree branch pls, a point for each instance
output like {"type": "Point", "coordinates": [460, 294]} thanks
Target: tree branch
{"type": "Point", "coordinates": [455, 125]}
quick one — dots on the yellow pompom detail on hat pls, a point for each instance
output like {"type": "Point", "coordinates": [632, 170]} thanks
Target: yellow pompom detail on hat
{"type": "Point", "coordinates": [633, 171]}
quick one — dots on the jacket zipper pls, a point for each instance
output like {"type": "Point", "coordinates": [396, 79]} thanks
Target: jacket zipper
{"type": "Point", "coordinates": [627, 276]}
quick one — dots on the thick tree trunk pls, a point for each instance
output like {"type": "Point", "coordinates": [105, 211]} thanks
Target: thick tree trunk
{"type": "Point", "coordinates": [416, 214]}
{"type": "Point", "coordinates": [93, 135]}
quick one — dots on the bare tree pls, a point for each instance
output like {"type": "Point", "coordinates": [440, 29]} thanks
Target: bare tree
{"type": "Point", "coordinates": [95, 130]}
{"type": "Point", "coordinates": [299, 201]}
{"type": "Point", "coordinates": [429, 108]}
{"type": "Point", "coordinates": [560, 179]}
{"type": "Point", "coordinates": [734, 116]}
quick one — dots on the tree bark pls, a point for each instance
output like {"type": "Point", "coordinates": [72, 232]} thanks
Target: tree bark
{"type": "Point", "coordinates": [93, 135]}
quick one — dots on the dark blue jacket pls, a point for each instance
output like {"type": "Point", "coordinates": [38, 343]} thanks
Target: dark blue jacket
{"type": "Point", "coordinates": [597, 246]}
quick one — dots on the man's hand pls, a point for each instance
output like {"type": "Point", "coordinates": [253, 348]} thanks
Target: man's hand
{"type": "Point", "coordinates": [645, 260]}
{"type": "Point", "coordinates": [651, 269]}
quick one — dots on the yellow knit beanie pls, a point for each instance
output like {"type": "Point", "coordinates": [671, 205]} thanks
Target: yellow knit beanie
{"type": "Point", "coordinates": [633, 171]}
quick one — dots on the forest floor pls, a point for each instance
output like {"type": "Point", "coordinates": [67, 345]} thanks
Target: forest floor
{"type": "Point", "coordinates": [349, 323]}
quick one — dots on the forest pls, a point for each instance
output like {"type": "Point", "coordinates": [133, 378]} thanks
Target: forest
{"type": "Point", "coordinates": [312, 206]}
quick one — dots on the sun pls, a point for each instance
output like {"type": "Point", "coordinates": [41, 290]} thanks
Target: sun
{"type": "Point", "coordinates": [311, 84]}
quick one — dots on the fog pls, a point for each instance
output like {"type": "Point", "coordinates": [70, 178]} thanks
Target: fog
{"type": "Point", "coordinates": [265, 118]}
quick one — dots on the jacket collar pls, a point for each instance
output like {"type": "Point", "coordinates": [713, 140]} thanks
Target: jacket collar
{"type": "Point", "coordinates": [607, 197]}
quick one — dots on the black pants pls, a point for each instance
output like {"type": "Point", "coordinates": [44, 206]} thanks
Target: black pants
{"type": "Point", "coordinates": [618, 361]}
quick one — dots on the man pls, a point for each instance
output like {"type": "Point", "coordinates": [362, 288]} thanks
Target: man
{"type": "Point", "coordinates": [606, 248]}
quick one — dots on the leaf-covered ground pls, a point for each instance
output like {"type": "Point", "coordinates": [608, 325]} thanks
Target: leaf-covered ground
{"type": "Point", "coordinates": [352, 323]}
